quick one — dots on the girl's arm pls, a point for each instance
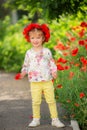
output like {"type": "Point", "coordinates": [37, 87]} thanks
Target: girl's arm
{"type": "Point", "coordinates": [52, 65]}
{"type": "Point", "coordinates": [24, 69]}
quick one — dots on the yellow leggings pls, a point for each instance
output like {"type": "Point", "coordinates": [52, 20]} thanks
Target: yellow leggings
{"type": "Point", "coordinates": [36, 93]}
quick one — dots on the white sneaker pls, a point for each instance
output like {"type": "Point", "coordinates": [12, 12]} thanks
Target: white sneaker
{"type": "Point", "coordinates": [56, 122]}
{"type": "Point", "coordinates": [35, 122]}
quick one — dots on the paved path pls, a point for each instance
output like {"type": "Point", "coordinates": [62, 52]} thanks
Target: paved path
{"type": "Point", "coordinates": [15, 106]}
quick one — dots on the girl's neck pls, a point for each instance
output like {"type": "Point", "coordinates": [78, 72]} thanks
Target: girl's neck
{"type": "Point", "coordinates": [37, 49]}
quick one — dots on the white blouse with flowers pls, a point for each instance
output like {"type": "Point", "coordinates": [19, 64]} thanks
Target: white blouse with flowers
{"type": "Point", "coordinates": [39, 65]}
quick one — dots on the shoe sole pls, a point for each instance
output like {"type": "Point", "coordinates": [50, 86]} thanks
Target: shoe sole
{"type": "Point", "coordinates": [59, 126]}
{"type": "Point", "coordinates": [33, 126]}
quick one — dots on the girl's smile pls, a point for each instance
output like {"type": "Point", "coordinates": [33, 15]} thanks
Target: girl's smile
{"type": "Point", "coordinates": [36, 38]}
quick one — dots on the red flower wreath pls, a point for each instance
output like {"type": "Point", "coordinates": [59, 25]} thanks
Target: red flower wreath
{"type": "Point", "coordinates": [42, 27]}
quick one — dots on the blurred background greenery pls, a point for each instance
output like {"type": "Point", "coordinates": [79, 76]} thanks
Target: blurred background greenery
{"type": "Point", "coordinates": [16, 14]}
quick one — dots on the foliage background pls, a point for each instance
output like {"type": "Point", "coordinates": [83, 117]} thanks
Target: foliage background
{"type": "Point", "coordinates": [13, 45]}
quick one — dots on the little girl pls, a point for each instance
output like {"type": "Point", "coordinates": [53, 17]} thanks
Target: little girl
{"type": "Point", "coordinates": [41, 69]}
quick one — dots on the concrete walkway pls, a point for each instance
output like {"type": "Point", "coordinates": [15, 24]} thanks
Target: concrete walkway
{"type": "Point", "coordinates": [15, 106]}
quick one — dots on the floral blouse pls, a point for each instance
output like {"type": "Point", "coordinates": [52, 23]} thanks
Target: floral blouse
{"type": "Point", "coordinates": [39, 65]}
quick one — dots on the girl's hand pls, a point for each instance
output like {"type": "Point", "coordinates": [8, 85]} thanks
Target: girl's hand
{"type": "Point", "coordinates": [54, 75]}
{"type": "Point", "coordinates": [20, 75]}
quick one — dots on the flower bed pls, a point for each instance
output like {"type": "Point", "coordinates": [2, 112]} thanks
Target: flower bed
{"type": "Point", "coordinates": [71, 84]}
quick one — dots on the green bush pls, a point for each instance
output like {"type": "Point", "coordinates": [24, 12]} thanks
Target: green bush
{"type": "Point", "coordinates": [12, 45]}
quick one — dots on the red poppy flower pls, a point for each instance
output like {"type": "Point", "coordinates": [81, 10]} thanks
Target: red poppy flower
{"type": "Point", "coordinates": [82, 95]}
{"type": "Point", "coordinates": [59, 86]}
{"type": "Point", "coordinates": [60, 67]}
{"type": "Point", "coordinates": [60, 46]}
{"type": "Point", "coordinates": [71, 74]}
{"type": "Point", "coordinates": [53, 80]}
{"type": "Point", "coordinates": [65, 53]}
{"type": "Point", "coordinates": [77, 64]}
{"type": "Point", "coordinates": [17, 76]}
{"type": "Point", "coordinates": [75, 28]}
{"type": "Point", "coordinates": [72, 62]}
{"type": "Point", "coordinates": [62, 60]}
{"type": "Point", "coordinates": [85, 40]}
{"type": "Point", "coordinates": [72, 39]}
{"type": "Point", "coordinates": [66, 67]}
{"type": "Point", "coordinates": [83, 68]}
{"type": "Point", "coordinates": [83, 60]}
{"type": "Point", "coordinates": [82, 42]}
{"type": "Point", "coordinates": [76, 104]}
{"type": "Point", "coordinates": [81, 33]}
{"type": "Point", "coordinates": [68, 34]}
{"type": "Point", "coordinates": [74, 52]}
{"type": "Point", "coordinates": [86, 46]}
{"type": "Point", "coordinates": [68, 100]}
{"type": "Point", "coordinates": [83, 24]}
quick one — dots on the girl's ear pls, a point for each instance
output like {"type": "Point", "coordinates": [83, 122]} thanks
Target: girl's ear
{"type": "Point", "coordinates": [43, 38]}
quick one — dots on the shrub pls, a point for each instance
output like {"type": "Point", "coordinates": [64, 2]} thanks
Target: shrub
{"type": "Point", "coordinates": [12, 45]}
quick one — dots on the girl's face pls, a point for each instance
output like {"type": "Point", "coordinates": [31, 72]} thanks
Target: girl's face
{"type": "Point", "coordinates": [36, 38]}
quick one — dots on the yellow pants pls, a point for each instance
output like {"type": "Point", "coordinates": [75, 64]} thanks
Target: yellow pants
{"type": "Point", "coordinates": [36, 93]}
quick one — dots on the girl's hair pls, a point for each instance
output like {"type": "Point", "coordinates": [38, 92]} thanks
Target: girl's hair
{"type": "Point", "coordinates": [44, 28]}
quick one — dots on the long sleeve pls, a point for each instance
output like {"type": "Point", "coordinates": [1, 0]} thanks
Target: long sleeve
{"type": "Point", "coordinates": [25, 64]}
{"type": "Point", "coordinates": [52, 65]}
